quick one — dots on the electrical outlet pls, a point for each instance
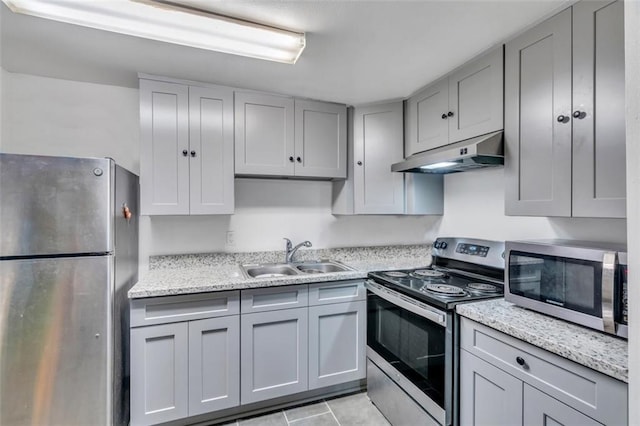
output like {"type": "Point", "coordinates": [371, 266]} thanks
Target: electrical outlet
{"type": "Point", "coordinates": [231, 238]}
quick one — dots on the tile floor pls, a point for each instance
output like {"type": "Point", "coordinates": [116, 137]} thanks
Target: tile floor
{"type": "Point", "coordinates": [350, 410]}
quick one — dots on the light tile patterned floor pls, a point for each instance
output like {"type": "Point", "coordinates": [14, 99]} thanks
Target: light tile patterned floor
{"type": "Point", "coordinates": [350, 410]}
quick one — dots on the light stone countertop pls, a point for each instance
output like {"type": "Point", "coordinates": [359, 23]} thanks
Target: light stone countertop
{"type": "Point", "coordinates": [201, 273]}
{"type": "Point", "coordinates": [598, 351]}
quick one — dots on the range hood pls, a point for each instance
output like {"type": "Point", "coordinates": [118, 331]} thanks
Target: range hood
{"type": "Point", "coordinates": [481, 151]}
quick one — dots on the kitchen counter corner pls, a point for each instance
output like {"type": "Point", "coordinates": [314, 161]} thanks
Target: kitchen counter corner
{"type": "Point", "coordinates": [598, 351]}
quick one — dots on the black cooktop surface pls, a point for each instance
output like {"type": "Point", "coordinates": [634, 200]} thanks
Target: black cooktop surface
{"type": "Point", "coordinates": [439, 287]}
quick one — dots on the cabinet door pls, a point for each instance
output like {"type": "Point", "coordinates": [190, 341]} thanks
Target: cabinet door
{"type": "Point", "coordinates": [537, 95]}
{"type": "Point", "coordinates": [476, 97]}
{"type": "Point", "coordinates": [599, 171]}
{"type": "Point", "coordinates": [378, 144]}
{"type": "Point", "coordinates": [427, 125]}
{"type": "Point", "coordinates": [159, 373]}
{"type": "Point", "coordinates": [264, 140]}
{"type": "Point", "coordinates": [337, 343]}
{"type": "Point", "coordinates": [164, 137]}
{"type": "Point", "coordinates": [488, 395]}
{"type": "Point", "coordinates": [541, 409]}
{"type": "Point", "coordinates": [320, 139]}
{"type": "Point", "coordinates": [274, 353]}
{"type": "Point", "coordinates": [214, 364]}
{"type": "Point", "coordinates": [211, 150]}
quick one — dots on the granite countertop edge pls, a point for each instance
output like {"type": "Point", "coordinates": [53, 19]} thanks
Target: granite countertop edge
{"type": "Point", "coordinates": [595, 350]}
{"type": "Point", "coordinates": [189, 274]}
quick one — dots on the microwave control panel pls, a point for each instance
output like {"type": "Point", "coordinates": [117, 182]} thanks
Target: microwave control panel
{"type": "Point", "coordinates": [472, 249]}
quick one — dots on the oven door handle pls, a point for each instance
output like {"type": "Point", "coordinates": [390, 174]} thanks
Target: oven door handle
{"type": "Point", "coordinates": [407, 303]}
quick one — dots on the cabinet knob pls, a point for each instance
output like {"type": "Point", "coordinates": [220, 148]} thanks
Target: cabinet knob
{"type": "Point", "coordinates": [193, 153]}
{"type": "Point", "coordinates": [579, 114]}
{"type": "Point", "coordinates": [185, 152]}
{"type": "Point", "coordinates": [299, 160]}
{"type": "Point", "coordinates": [520, 361]}
{"type": "Point", "coordinates": [359, 163]}
{"type": "Point", "coordinates": [444, 116]}
{"type": "Point", "coordinates": [291, 159]}
{"type": "Point", "coordinates": [563, 119]}
{"type": "Point", "coordinates": [450, 114]}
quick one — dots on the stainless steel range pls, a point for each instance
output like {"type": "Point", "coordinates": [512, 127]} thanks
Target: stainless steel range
{"type": "Point", "coordinates": [412, 332]}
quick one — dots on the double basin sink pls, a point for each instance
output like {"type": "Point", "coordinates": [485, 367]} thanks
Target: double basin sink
{"type": "Point", "coordinates": [273, 270]}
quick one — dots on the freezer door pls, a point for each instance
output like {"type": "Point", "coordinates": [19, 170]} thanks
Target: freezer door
{"type": "Point", "coordinates": [55, 344]}
{"type": "Point", "coordinates": [55, 205]}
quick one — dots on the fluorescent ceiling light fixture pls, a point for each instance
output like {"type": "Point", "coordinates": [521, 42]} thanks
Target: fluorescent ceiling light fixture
{"type": "Point", "coordinates": [172, 23]}
{"type": "Point", "coordinates": [441, 165]}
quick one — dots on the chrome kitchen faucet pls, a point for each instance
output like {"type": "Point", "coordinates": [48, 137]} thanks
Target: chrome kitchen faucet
{"type": "Point", "coordinates": [290, 250]}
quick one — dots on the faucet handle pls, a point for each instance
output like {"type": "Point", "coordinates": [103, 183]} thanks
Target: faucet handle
{"type": "Point", "coordinates": [289, 243]}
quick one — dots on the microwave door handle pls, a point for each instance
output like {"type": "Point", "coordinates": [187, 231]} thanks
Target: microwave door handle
{"type": "Point", "coordinates": [423, 311]}
{"type": "Point", "coordinates": [608, 277]}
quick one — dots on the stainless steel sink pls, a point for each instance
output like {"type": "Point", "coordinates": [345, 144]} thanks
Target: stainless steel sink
{"type": "Point", "coordinates": [322, 267]}
{"type": "Point", "coordinates": [268, 271]}
{"type": "Point", "coordinates": [273, 270]}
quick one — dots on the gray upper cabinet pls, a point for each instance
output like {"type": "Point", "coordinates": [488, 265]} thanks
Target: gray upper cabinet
{"type": "Point", "coordinates": [186, 155]}
{"type": "Point", "coordinates": [320, 139]}
{"type": "Point", "coordinates": [214, 364]}
{"type": "Point", "coordinates": [599, 156]}
{"type": "Point", "coordinates": [264, 137]}
{"type": "Point", "coordinates": [337, 343]}
{"type": "Point", "coordinates": [466, 103]}
{"type": "Point", "coordinates": [274, 354]}
{"type": "Point", "coordinates": [375, 143]}
{"type": "Point", "coordinates": [159, 373]}
{"type": "Point", "coordinates": [164, 133]}
{"type": "Point", "coordinates": [277, 136]}
{"type": "Point", "coordinates": [427, 125]}
{"type": "Point", "coordinates": [565, 151]}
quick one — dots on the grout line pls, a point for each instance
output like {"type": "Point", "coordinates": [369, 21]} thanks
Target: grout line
{"type": "Point", "coordinates": [332, 413]}
{"type": "Point", "coordinates": [308, 417]}
{"type": "Point", "coordinates": [285, 417]}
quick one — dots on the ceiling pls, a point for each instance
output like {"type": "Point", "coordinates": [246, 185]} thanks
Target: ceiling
{"type": "Point", "coordinates": [357, 51]}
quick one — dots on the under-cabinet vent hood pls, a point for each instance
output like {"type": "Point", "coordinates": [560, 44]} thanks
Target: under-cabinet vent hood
{"type": "Point", "coordinates": [481, 151]}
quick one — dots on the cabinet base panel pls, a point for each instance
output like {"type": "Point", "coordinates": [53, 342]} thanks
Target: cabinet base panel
{"type": "Point", "coordinates": [261, 407]}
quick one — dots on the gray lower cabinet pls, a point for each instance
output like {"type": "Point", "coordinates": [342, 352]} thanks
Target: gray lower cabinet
{"type": "Point", "coordinates": [337, 343]}
{"type": "Point", "coordinates": [159, 373]}
{"type": "Point", "coordinates": [504, 381]}
{"type": "Point", "coordinates": [564, 115]}
{"type": "Point", "coordinates": [488, 395]}
{"type": "Point", "coordinates": [214, 364]}
{"type": "Point", "coordinates": [274, 354]}
{"type": "Point", "coordinates": [541, 409]}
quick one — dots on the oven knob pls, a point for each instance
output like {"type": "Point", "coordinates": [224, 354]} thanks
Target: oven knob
{"type": "Point", "coordinates": [443, 245]}
{"type": "Point", "coordinates": [436, 244]}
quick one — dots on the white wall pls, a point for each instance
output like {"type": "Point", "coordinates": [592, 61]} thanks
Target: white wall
{"type": "Point", "coordinates": [632, 80]}
{"type": "Point", "coordinates": [474, 207]}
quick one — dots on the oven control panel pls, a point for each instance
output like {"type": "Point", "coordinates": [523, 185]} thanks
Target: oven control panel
{"type": "Point", "coordinates": [472, 249]}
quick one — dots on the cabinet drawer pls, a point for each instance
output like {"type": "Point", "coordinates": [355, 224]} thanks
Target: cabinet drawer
{"type": "Point", "coordinates": [597, 395]}
{"type": "Point", "coordinates": [162, 310]}
{"type": "Point", "coordinates": [274, 298]}
{"type": "Point", "coordinates": [336, 292]}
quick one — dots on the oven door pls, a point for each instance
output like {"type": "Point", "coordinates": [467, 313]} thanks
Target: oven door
{"type": "Point", "coordinates": [409, 341]}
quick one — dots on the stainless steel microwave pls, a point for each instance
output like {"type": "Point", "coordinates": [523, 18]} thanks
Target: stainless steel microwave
{"type": "Point", "coordinates": [581, 282]}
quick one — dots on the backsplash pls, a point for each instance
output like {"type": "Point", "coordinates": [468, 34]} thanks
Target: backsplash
{"type": "Point", "coordinates": [345, 254]}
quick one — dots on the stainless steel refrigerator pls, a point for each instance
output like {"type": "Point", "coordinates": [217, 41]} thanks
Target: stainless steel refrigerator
{"type": "Point", "coordinates": [68, 256]}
